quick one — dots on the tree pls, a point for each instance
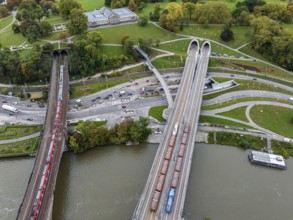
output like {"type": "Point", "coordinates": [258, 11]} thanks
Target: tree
{"type": "Point", "coordinates": [212, 13]}
{"type": "Point", "coordinates": [4, 91]}
{"type": "Point", "coordinates": [124, 38]}
{"type": "Point", "coordinates": [237, 11]}
{"type": "Point", "coordinates": [145, 45]}
{"type": "Point", "coordinates": [65, 7]}
{"type": "Point", "coordinates": [15, 28]}
{"type": "Point", "coordinates": [143, 20]}
{"type": "Point", "coordinates": [117, 3]}
{"type": "Point", "coordinates": [227, 34]}
{"type": "Point", "coordinates": [155, 16]}
{"type": "Point", "coordinates": [3, 11]}
{"type": "Point", "coordinates": [188, 9]}
{"type": "Point", "coordinates": [250, 4]}
{"type": "Point", "coordinates": [132, 5]}
{"type": "Point", "coordinates": [128, 47]}
{"type": "Point", "coordinates": [45, 28]}
{"type": "Point", "coordinates": [62, 36]}
{"type": "Point", "coordinates": [244, 19]}
{"type": "Point", "coordinates": [108, 3]}
{"type": "Point", "coordinates": [77, 23]}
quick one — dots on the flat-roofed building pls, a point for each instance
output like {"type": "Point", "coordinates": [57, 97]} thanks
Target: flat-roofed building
{"type": "Point", "coordinates": [104, 16]}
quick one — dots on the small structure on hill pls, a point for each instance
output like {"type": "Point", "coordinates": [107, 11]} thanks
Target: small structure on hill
{"type": "Point", "coordinates": [104, 16]}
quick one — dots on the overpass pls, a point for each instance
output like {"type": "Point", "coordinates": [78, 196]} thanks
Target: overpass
{"type": "Point", "coordinates": [153, 198]}
{"type": "Point", "coordinates": [158, 75]}
{"type": "Point", "coordinates": [38, 199]}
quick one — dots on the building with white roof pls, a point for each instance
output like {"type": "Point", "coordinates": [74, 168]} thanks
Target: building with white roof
{"type": "Point", "coordinates": [106, 15]}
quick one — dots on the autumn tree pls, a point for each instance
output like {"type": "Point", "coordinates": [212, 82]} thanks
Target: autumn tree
{"type": "Point", "coordinates": [3, 11]}
{"type": "Point", "coordinates": [212, 13]}
{"type": "Point", "coordinates": [123, 39]}
{"type": "Point", "coordinates": [132, 5]}
{"type": "Point", "coordinates": [118, 3]}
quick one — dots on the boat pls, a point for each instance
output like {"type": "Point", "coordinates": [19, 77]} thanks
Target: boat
{"type": "Point", "coordinates": [267, 159]}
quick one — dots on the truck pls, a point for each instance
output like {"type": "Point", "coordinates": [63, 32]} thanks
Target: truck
{"type": "Point", "coordinates": [10, 108]}
{"type": "Point", "coordinates": [291, 98]}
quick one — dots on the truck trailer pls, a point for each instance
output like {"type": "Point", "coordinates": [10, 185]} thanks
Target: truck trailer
{"type": "Point", "coordinates": [10, 108]}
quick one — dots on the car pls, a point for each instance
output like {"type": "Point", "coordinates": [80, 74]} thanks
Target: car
{"type": "Point", "coordinates": [219, 54]}
{"type": "Point", "coordinates": [147, 81]}
{"type": "Point", "coordinates": [29, 119]}
{"type": "Point", "coordinates": [232, 75]}
{"type": "Point", "coordinates": [109, 95]}
{"type": "Point", "coordinates": [136, 83]}
{"type": "Point", "coordinates": [4, 101]}
{"type": "Point", "coordinates": [254, 79]}
{"type": "Point", "coordinates": [213, 53]}
{"type": "Point", "coordinates": [99, 97]}
{"type": "Point", "coordinates": [93, 100]}
{"type": "Point", "coordinates": [123, 106]}
{"type": "Point", "coordinates": [128, 85]}
{"type": "Point", "coordinates": [28, 105]}
{"type": "Point", "coordinates": [41, 105]}
{"type": "Point", "coordinates": [11, 114]}
{"type": "Point", "coordinates": [167, 77]}
{"type": "Point", "coordinates": [106, 98]}
{"type": "Point", "coordinates": [129, 94]}
{"type": "Point", "coordinates": [142, 92]}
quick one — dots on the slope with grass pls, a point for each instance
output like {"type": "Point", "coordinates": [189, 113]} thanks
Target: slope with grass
{"type": "Point", "coordinates": [157, 112]}
{"type": "Point", "coordinates": [5, 21]}
{"type": "Point", "coordinates": [113, 34]}
{"type": "Point", "coordinates": [22, 147]}
{"type": "Point", "coordinates": [237, 113]}
{"type": "Point", "coordinates": [274, 118]}
{"type": "Point", "coordinates": [221, 121]}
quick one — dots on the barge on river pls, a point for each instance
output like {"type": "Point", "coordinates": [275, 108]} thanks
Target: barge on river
{"type": "Point", "coordinates": [265, 159]}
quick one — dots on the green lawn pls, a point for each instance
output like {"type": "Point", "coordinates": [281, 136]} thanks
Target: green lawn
{"type": "Point", "coordinates": [273, 118]}
{"type": "Point", "coordinates": [90, 5]}
{"type": "Point", "coordinates": [12, 132]}
{"type": "Point", "coordinates": [55, 36]}
{"type": "Point", "coordinates": [241, 34]}
{"type": "Point", "coordinates": [220, 121]}
{"type": "Point", "coordinates": [54, 19]}
{"type": "Point", "coordinates": [157, 112]}
{"type": "Point", "coordinates": [234, 101]}
{"type": "Point", "coordinates": [5, 21]}
{"type": "Point", "coordinates": [169, 62]}
{"type": "Point", "coordinates": [265, 70]}
{"type": "Point", "coordinates": [8, 38]}
{"type": "Point", "coordinates": [150, 8]}
{"type": "Point", "coordinates": [114, 34]}
{"type": "Point", "coordinates": [246, 85]}
{"type": "Point", "coordinates": [283, 148]}
{"type": "Point", "coordinates": [237, 113]}
{"type": "Point", "coordinates": [112, 51]}
{"type": "Point", "coordinates": [22, 147]}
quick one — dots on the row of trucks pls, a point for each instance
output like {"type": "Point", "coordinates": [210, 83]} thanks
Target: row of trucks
{"type": "Point", "coordinates": [164, 170]}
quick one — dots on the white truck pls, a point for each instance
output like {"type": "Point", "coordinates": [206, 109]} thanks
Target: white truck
{"type": "Point", "coordinates": [291, 98]}
{"type": "Point", "coordinates": [10, 108]}
{"type": "Point", "coordinates": [121, 92]}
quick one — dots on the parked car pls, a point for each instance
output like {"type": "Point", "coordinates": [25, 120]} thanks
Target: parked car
{"type": "Point", "coordinates": [93, 100]}
{"type": "Point", "coordinates": [30, 119]}
{"type": "Point", "coordinates": [4, 101]}
{"type": "Point", "coordinates": [136, 83]}
{"type": "Point", "coordinates": [123, 106]}
{"type": "Point", "coordinates": [147, 81]}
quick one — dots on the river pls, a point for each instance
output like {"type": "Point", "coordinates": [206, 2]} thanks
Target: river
{"type": "Point", "coordinates": [106, 182]}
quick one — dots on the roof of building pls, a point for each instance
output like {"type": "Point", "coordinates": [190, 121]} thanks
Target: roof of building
{"type": "Point", "coordinates": [105, 13]}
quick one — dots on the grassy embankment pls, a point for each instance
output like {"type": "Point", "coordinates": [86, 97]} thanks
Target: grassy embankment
{"type": "Point", "coordinates": [251, 142]}
{"type": "Point", "coordinates": [17, 131]}
{"type": "Point", "coordinates": [5, 21]}
{"type": "Point", "coordinates": [20, 148]}
{"type": "Point", "coordinates": [221, 121]}
{"type": "Point", "coordinates": [157, 112]}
